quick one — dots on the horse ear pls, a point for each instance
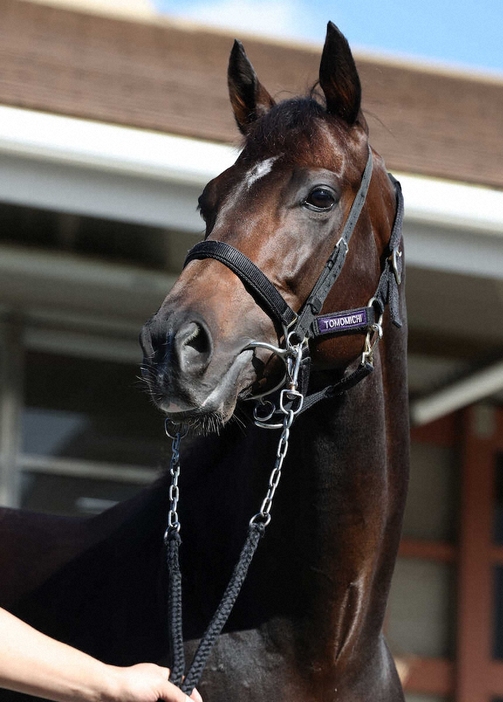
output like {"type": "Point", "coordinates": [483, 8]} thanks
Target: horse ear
{"type": "Point", "coordinates": [339, 78]}
{"type": "Point", "coordinates": [249, 99]}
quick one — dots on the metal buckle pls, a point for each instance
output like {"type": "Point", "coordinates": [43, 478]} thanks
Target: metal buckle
{"type": "Point", "coordinates": [395, 255]}
{"type": "Point", "coordinates": [374, 335]}
{"type": "Point", "coordinates": [294, 397]}
{"type": "Point", "coordinates": [342, 240]}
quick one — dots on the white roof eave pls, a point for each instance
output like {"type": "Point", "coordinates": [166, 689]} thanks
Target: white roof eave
{"type": "Point", "coordinates": [454, 205]}
{"type": "Point", "coordinates": [110, 147]}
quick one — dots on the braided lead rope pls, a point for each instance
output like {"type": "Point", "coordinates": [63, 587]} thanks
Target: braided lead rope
{"type": "Point", "coordinates": [173, 542]}
{"type": "Point", "coordinates": [256, 530]}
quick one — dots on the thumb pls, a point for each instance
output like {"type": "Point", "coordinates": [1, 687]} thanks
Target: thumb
{"type": "Point", "coordinates": [172, 693]}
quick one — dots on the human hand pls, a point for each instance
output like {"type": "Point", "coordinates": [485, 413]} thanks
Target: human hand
{"type": "Point", "coordinates": [146, 682]}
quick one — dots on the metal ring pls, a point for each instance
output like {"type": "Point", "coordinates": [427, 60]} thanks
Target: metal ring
{"type": "Point", "coordinates": [181, 429]}
{"type": "Point", "coordinates": [270, 347]}
{"type": "Point", "coordinates": [295, 397]}
{"type": "Point", "coordinates": [257, 417]}
{"type": "Point", "coordinates": [171, 528]}
{"type": "Point", "coordinates": [260, 518]}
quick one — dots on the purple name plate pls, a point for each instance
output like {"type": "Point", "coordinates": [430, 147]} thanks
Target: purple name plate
{"type": "Point", "coordinates": [338, 322]}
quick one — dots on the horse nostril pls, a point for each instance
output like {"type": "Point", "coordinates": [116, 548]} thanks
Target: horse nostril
{"type": "Point", "coordinates": [197, 339]}
{"type": "Point", "coordinates": [193, 345]}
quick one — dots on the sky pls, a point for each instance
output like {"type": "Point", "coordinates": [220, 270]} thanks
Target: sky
{"type": "Point", "coordinates": [465, 34]}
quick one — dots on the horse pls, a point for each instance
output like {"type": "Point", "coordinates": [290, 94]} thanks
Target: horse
{"type": "Point", "coordinates": [277, 282]}
{"type": "Point", "coordinates": [282, 346]}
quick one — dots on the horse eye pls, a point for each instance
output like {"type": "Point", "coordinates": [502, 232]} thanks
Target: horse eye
{"type": "Point", "coordinates": [320, 199]}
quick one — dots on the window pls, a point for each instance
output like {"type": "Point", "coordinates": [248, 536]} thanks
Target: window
{"type": "Point", "coordinates": [89, 413]}
{"type": "Point", "coordinates": [86, 435]}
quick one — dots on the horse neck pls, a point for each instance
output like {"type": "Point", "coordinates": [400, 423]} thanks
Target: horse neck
{"type": "Point", "coordinates": [359, 459]}
{"type": "Point", "coordinates": [326, 562]}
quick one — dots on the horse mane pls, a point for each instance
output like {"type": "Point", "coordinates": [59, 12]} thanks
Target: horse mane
{"type": "Point", "coordinates": [292, 121]}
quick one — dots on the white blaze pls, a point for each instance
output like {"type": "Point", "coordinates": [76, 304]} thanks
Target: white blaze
{"type": "Point", "coordinates": [260, 170]}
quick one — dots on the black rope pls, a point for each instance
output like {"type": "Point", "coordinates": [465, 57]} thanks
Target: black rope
{"type": "Point", "coordinates": [173, 542]}
{"type": "Point", "coordinates": [255, 532]}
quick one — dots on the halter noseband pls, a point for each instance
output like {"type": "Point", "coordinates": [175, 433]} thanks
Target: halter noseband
{"type": "Point", "coordinates": [308, 323]}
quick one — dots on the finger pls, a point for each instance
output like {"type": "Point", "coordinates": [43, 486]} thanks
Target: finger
{"type": "Point", "coordinates": [196, 696]}
{"type": "Point", "coordinates": [172, 693]}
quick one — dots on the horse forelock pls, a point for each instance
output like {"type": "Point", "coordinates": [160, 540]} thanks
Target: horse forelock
{"type": "Point", "coordinates": [291, 128]}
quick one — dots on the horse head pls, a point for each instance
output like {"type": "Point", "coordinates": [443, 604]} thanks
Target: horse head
{"type": "Point", "coordinates": [283, 204]}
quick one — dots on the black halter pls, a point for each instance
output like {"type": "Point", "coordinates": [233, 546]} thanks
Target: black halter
{"type": "Point", "coordinates": [297, 329]}
{"type": "Point", "coordinates": [308, 323]}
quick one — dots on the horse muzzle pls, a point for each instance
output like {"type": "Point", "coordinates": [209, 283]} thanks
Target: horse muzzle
{"type": "Point", "coordinates": [190, 375]}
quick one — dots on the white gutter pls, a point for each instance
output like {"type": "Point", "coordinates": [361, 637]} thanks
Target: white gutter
{"type": "Point", "coordinates": [112, 148]}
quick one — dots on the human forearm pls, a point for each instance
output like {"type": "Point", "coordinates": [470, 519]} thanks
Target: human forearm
{"type": "Point", "coordinates": [35, 664]}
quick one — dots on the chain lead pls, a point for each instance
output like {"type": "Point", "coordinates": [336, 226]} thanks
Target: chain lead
{"type": "Point", "coordinates": [290, 404]}
{"type": "Point", "coordinates": [174, 469]}
{"type": "Point", "coordinates": [264, 515]}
